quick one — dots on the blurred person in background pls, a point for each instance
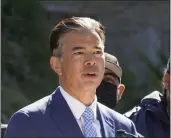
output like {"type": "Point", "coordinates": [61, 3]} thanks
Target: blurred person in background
{"type": "Point", "coordinates": [72, 110]}
{"type": "Point", "coordinates": [152, 115]}
{"type": "Point", "coordinates": [110, 90]}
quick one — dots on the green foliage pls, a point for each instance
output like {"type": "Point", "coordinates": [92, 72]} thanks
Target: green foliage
{"type": "Point", "coordinates": [26, 75]}
{"type": "Point", "coordinates": [135, 92]}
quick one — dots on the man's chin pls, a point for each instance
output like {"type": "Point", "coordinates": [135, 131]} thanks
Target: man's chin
{"type": "Point", "coordinates": [90, 86]}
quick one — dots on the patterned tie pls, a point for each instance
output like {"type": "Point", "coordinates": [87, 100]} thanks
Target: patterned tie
{"type": "Point", "coordinates": [89, 130]}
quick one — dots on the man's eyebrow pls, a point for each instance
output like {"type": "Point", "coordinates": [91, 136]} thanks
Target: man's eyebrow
{"type": "Point", "coordinates": [77, 48]}
{"type": "Point", "coordinates": [97, 47]}
{"type": "Point", "coordinates": [82, 48]}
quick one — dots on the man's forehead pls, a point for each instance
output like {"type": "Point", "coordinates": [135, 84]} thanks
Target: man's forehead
{"type": "Point", "coordinates": [77, 39]}
{"type": "Point", "coordinates": [80, 34]}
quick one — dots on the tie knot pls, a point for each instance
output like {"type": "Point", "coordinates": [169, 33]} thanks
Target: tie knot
{"type": "Point", "coordinates": [88, 114]}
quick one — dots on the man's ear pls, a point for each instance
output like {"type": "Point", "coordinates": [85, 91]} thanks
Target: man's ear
{"type": "Point", "coordinates": [121, 89]}
{"type": "Point", "coordinates": [56, 65]}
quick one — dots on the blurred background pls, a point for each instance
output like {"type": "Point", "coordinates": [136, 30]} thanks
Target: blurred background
{"type": "Point", "coordinates": [138, 34]}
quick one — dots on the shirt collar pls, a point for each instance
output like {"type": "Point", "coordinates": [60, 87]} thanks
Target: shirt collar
{"type": "Point", "coordinates": [76, 106]}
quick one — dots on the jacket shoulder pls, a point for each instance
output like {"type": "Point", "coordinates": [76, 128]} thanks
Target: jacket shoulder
{"type": "Point", "coordinates": [38, 106]}
{"type": "Point", "coordinates": [147, 102]}
{"type": "Point", "coordinates": [146, 111]}
{"type": "Point", "coordinates": [23, 122]}
{"type": "Point", "coordinates": [20, 125]}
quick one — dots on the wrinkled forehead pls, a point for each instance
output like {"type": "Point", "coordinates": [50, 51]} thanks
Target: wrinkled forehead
{"type": "Point", "coordinates": [77, 37]}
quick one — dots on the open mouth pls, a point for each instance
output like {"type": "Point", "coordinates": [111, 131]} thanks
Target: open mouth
{"type": "Point", "coordinates": [90, 74]}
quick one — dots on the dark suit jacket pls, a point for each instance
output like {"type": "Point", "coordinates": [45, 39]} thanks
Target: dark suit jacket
{"type": "Point", "coordinates": [150, 117]}
{"type": "Point", "coordinates": [52, 117]}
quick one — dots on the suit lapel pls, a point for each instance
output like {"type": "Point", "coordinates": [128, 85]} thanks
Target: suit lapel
{"type": "Point", "coordinates": [107, 124]}
{"type": "Point", "coordinates": [63, 116]}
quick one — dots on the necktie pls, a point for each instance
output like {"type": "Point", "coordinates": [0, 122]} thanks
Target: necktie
{"type": "Point", "coordinates": [88, 129]}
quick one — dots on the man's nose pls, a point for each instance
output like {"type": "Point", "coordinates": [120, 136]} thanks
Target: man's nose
{"type": "Point", "coordinates": [90, 60]}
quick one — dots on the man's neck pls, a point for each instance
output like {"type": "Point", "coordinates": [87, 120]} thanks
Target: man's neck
{"type": "Point", "coordinates": [86, 98]}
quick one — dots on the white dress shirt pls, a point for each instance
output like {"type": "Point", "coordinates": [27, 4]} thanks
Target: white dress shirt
{"type": "Point", "coordinates": [78, 108]}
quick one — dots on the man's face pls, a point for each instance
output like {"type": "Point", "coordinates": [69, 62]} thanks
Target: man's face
{"type": "Point", "coordinates": [82, 65]}
{"type": "Point", "coordinates": [110, 90]}
{"type": "Point", "coordinates": [110, 77]}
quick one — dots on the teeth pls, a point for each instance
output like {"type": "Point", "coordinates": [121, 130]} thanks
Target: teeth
{"type": "Point", "coordinates": [91, 74]}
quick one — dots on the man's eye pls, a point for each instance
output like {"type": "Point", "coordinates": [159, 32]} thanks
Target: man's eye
{"type": "Point", "coordinates": [78, 53]}
{"type": "Point", "coordinates": [98, 52]}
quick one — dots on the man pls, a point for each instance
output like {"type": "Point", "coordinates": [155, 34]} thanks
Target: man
{"type": "Point", "coordinates": [152, 116]}
{"type": "Point", "coordinates": [110, 90]}
{"type": "Point", "coordinates": [77, 46]}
